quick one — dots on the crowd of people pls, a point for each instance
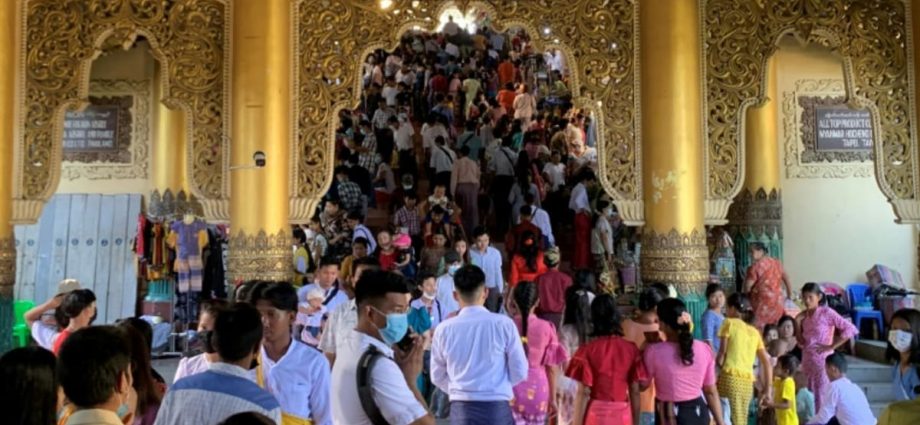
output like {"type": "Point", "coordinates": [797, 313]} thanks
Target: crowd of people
{"type": "Point", "coordinates": [402, 310]}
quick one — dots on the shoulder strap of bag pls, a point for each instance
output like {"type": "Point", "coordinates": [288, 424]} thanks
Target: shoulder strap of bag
{"type": "Point", "coordinates": [365, 364]}
{"type": "Point", "coordinates": [450, 157]}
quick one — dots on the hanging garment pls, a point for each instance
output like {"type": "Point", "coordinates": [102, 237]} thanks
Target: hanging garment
{"type": "Point", "coordinates": [214, 282]}
{"type": "Point", "coordinates": [189, 239]}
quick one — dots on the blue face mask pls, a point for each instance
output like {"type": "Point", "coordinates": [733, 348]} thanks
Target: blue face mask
{"type": "Point", "coordinates": [396, 328]}
{"type": "Point", "coordinates": [123, 411]}
{"type": "Point", "coordinates": [453, 269]}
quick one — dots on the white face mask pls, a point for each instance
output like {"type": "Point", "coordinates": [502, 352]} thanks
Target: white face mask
{"type": "Point", "coordinates": [900, 340]}
{"type": "Point", "coordinates": [429, 296]}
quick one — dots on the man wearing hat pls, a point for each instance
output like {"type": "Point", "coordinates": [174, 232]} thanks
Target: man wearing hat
{"type": "Point", "coordinates": [551, 287]}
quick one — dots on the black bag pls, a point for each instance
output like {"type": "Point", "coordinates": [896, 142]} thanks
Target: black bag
{"type": "Point", "coordinates": [365, 364]}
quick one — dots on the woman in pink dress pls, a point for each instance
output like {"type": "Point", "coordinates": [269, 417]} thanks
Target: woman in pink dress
{"type": "Point", "coordinates": [531, 404]}
{"type": "Point", "coordinates": [762, 282]}
{"type": "Point", "coordinates": [822, 332]}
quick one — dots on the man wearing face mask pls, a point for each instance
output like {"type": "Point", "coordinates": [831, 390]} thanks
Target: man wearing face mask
{"type": "Point", "coordinates": [226, 388]}
{"type": "Point", "coordinates": [94, 368]}
{"type": "Point", "coordinates": [445, 284]}
{"type": "Point", "coordinates": [389, 394]}
{"type": "Point", "coordinates": [297, 375]}
{"type": "Point", "coordinates": [477, 356]}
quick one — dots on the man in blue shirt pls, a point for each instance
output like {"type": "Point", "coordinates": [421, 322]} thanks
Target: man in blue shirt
{"type": "Point", "coordinates": [489, 260]}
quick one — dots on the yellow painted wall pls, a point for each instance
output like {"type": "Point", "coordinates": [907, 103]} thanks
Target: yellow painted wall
{"type": "Point", "coordinates": [835, 229]}
{"type": "Point", "coordinates": [135, 64]}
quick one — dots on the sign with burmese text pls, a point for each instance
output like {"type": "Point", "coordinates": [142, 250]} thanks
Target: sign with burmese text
{"type": "Point", "coordinates": [93, 129]}
{"type": "Point", "coordinates": [838, 128]}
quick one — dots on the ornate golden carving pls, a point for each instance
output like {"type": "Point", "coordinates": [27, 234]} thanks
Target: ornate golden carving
{"type": "Point", "coordinates": [170, 206]}
{"type": "Point", "coordinates": [599, 38]}
{"type": "Point", "coordinates": [676, 258]}
{"type": "Point", "coordinates": [134, 135]}
{"type": "Point", "coordinates": [793, 147]}
{"type": "Point", "coordinates": [871, 36]}
{"type": "Point", "coordinates": [61, 38]}
{"type": "Point", "coordinates": [761, 211]}
{"type": "Point", "coordinates": [7, 266]}
{"type": "Point", "coordinates": [261, 256]}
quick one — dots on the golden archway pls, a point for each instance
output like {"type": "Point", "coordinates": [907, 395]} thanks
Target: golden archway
{"type": "Point", "coordinates": [599, 38]}
{"type": "Point", "coordinates": [60, 40]}
{"type": "Point", "coordinates": [874, 40]}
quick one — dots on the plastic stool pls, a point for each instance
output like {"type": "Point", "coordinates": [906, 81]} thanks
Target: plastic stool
{"type": "Point", "coordinates": [861, 308]}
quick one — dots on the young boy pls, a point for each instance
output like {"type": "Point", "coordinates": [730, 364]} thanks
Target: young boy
{"type": "Point", "coordinates": [784, 390]}
{"type": "Point", "coordinates": [309, 319]}
{"type": "Point", "coordinates": [842, 400]}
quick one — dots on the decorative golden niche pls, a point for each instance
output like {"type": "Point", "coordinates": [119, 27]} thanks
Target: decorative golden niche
{"type": "Point", "coordinates": [871, 36]}
{"type": "Point", "coordinates": [676, 258]}
{"type": "Point", "coordinates": [260, 256]}
{"type": "Point", "coordinates": [7, 266]}
{"type": "Point", "coordinates": [62, 37]}
{"type": "Point", "coordinates": [599, 38]}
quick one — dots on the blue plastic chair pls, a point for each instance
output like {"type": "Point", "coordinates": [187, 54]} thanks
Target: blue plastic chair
{"type": "Point", "coordinates": [861, 307]}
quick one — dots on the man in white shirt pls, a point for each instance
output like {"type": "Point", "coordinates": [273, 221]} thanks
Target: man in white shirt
{"type": "Point", "coordinates": [390, 91]}
{"type": "Point", "coordinates": [344, 318]}
{"type": "Point", "coordinates": [842, 399]}
{"type": "Point", "coordinates": [442, 161]}
{"type": "Point", "coordinates": [451, 28]}
{"type": "Point", "coordinates": [477, 356]}
{"type": "Point", "coordinates": [382, 300]}
{"type": "Point", "coordinates": [296, 374]}
{"type": "Point", "coordinates": [540, 218]}
{"type": "Point", "coordinates": [489, 260]}
{"type": "Point", "coordinates": [502, 166]}
{"type": "Point", "coordinates": [402, 136]}
{"type": "Point", "coordinates": [327, 280]}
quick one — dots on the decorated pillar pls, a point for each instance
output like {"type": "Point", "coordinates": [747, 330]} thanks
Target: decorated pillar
{"type": "Point", "coordinates": [260, 242]}
{"type": "Point", "coordinates": [9, 41]}
{"type": "Point", "coordinates": [170, 195]}
{"type": "Point", "coordinates": [674, 238]}
{"type": "Point", "coordinates": [756, 215]}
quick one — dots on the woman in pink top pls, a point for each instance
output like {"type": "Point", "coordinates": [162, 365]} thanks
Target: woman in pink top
{"type": "Point", "coordinates": [818, 338]}
{"type": "Point", "coordinates": [532, 398]}
{"type": "Point", "coordinates": [642, 329]}
{"type": "Point", "coordinates": [682, 369]}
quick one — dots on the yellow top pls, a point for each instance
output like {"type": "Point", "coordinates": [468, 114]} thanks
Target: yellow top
{"type": "Point", "coordinates": [743, 342]}
{"type": "Point", "coordinates": [902, 412]}
{"type": "Point", "coordinates": [784, 389]}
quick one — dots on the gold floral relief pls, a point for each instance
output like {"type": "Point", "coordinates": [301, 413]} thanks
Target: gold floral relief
{"type": "Point", "coordinates": [7, 266]}
{"type": "Point", "coordinates": [599, 38]}
{"type": "Point", "coordinates": [870, 35]}
{"type": "Point", "coordinates": [676, 258]}
{"type": "Point", "coordinates": [260, 256]}
{"type": "Point", "coordinates": [62, 37]}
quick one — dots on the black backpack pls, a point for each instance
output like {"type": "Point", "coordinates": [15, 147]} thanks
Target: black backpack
{"type": "Point", "coordinates": [365, 364]}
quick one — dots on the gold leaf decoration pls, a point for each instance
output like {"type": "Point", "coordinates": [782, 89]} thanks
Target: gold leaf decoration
{"type": "Point", "coordinates": [7, 266]}
{"type": "Point", "coordinates": [261, 256]}
{"type": "Point", "coordinates": [676, 258]}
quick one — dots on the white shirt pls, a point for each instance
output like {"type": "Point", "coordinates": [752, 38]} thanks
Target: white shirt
{"type": "Point", "coordinates": [599, 245]}
{"type": "Point", "coordinates": [431, 132]}
{"type": "Point", "coordinates": [491, 264]}
{"type": "Point", "coordinates": [540, 218]}
{"type": "Point", "coordinates": [403, 136]}
{"type": "Point", "coordinates": [189, 366]}
{"type": "Point", "coordinates": [556, 173]}
{"type": "Point", "coordinates": [451, 28]}
{"type": "Point", "coordinates": [446, 296]}
{"type": "Point", "coordinates": [339, 325]}
{"type": "Point", "coordinates": [845, 401]}
{"type": "Point", "coordinates": [44, 335]}
{"type": "Point", "coordinates": [314, 320]}
{"type": "Point", "coordinates": [477, 356]}
{"type": "Point", "coordinates": [579, 198]}
{"type": "Point", "coordinates": [408, 78]}
{"type": "Point", "coordinates": [389, 390]}
{"type": "Point", "coordinates": [587, 159]}
{"type": "Point", "coordinates": [334, 295]}
{"type": "Point", "coordinates": [442, 158]}
{"type": "Point", "coordinates": [389, 93]}
{"type": "Point", "coordinates": [300, 381]}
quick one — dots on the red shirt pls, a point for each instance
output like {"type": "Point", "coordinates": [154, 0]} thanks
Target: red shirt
{"type": "Point", "coordinates": [608, 365]}
{"type": "Point", "coordinates": [506, 99]}
{"type": "Point", "coordinates": [551, 288]}
{"type": "Point", "coordinates": [517, 233]}
{"type": "Point", "coordinates": [387, 261]}
{"type": "Point", "coordinates": [439, 84]}
{"type": "Point", "coordinates": [521, 272]}
{"type": "Point", "coordinates": [56, 348]}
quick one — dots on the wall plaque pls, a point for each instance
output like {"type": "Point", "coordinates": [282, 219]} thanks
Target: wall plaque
{"type": "Point", "coordinates": [831, 132]}
{"type": "Point", "coordinates": [839, 128]}
{"type": "Point", "coordinates": [101, 132]}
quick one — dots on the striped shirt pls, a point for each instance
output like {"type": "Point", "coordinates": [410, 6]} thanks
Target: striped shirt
{"type": "Point", "coordinates": [210, 397]}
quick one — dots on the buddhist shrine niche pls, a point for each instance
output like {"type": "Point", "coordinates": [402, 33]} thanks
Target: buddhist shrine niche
{"type": "Point", "coordinates": [190, 39]}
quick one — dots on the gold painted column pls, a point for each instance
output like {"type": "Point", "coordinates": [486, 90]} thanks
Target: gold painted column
{"type": "Point", "coordinates": [9, 42]}
{"type": "Point", "coordinates": [757, 212]}
{"type": "Point", "coordinates": [674, 238]}
{"type": "Point", "coordinates": [169, 156]}
{"type": "Point", "coordinates": [260, 245]}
